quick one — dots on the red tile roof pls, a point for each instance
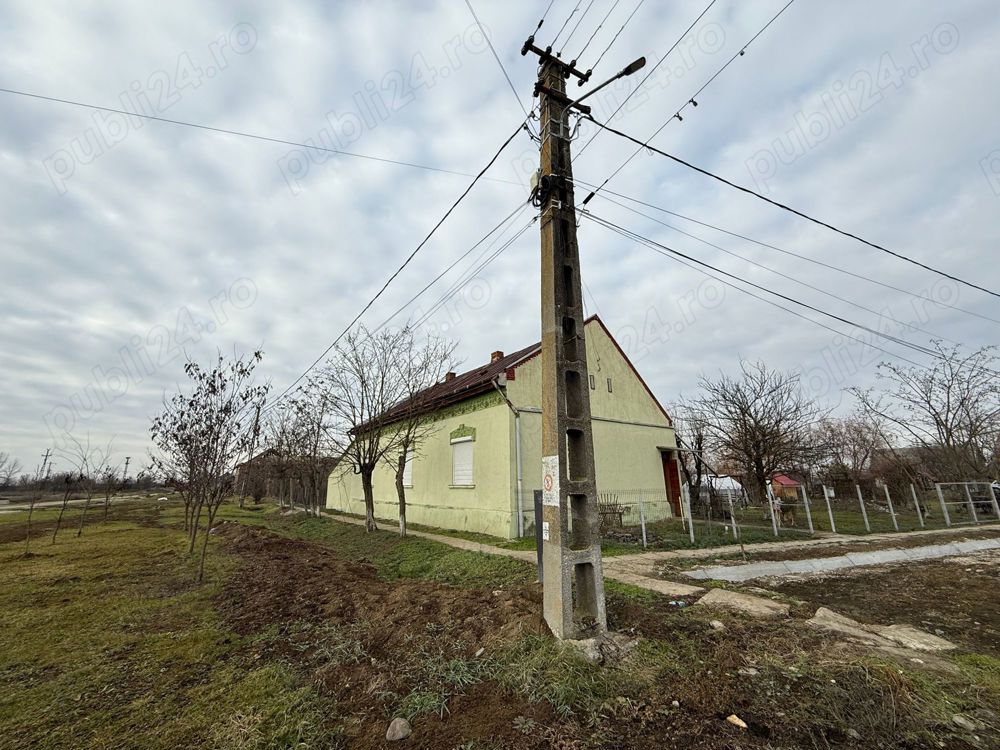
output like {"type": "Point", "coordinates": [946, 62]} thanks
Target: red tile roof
{"type": "Point", "coordinates": [480, 380]}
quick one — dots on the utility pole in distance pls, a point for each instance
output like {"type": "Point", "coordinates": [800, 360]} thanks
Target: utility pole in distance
{"type": "Point", "coordinates": [572, 575]}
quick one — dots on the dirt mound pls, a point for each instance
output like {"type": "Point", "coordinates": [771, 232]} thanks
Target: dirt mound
{"type": "Point", "coordinates": [373, 643]}
{"type": "Point", "coordinates": [285, 580]}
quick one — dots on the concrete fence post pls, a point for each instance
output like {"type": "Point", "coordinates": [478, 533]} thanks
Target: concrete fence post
{"type": "Point", "coordinates": [770, 504]}
{"type": "Point", "coordinates": [686, 498]}
{"type": "Point", "coordinates": [944, 505]}
{"type": "Point", "coordinates": [993, 499]}
{"type": "Point", "coordinates": [732, 515]}
{"type": "Point", "coordinates": [642, 520]}
{"type": "Point", "coordinates": [864, 513]}
{"type": "Point", "coordinates": [829, 508]}
{"type": "Point", "coordinates": [892, 511]}
{"type": "Point", "coordinates": [805, 502]}
{"type": "Point", "coordinates": [916, 503]}
{"type": "Point", "coordinates": [972, 505]}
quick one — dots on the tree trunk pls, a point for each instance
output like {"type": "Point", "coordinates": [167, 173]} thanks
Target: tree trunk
{"type": "Point", "coordinates": [401, 493]}
{"type": "Point", "coordinates": [195, 520]}
{"type": "Point", "coordinates": [60, 518]}
{"type": "Point", "coordinates": [27, 538]}
{"type": "Point", "coordinates": [204, 545]}
{"type": "Point", "coordinates": [83, 516]}
{"type": "Point", "coordinates": [366, 484]}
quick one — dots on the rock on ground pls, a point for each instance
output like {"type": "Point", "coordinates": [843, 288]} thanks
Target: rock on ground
{"type": "Point", "coordinates": [399, 729]}
{"type": "Point", "coordinates": [905, 636]}
{"type": "Point", "coordinates": [755, 606]}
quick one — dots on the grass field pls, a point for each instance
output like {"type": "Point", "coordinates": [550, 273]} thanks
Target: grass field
{"type": "Point", "coordinates": [313, 634]}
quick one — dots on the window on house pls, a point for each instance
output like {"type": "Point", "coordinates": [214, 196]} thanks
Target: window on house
{"type": "Point", "coordinates": [593, 385]}
{"type": "Point", "coordinates": [408, 469]}
{"type": "Point", "coordinates": [609, 385]}
{"type": "Point", "coordinates": [461, 462]}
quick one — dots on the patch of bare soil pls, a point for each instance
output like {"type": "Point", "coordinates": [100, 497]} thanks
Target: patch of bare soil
{"type": "Point", "coordinates": [372, 643]}
{"type": "Point", "coordinates": [955, 597]}
{"type": "Point", "coordinates": [379, 646]}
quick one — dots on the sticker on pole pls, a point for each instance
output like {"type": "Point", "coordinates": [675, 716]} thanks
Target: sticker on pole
{"type": "Point", "coordinates": [545, 531]}
{"type": "Point", "coordinates": [550, 480]}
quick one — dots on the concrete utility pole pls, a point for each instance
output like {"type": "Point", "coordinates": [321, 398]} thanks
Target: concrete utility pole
{"type": "Point", "coordinates": [125, 472]}
{"type": "Point", "coordinates": [572, 579]}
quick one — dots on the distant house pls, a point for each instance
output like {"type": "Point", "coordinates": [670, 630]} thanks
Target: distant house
{"type": "Point", "coordinates": [482, 462]}
{"type": "Point", "coordinates": [726, 487]}
{"type": "Point", "coordinates": [785, 487]}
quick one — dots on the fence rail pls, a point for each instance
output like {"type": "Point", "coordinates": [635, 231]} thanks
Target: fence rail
{"type": "Point", "coordinates": [631, 517]}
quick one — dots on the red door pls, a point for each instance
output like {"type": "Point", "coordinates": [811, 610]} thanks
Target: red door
{"type": "Point", "coordinates": [672, 481]}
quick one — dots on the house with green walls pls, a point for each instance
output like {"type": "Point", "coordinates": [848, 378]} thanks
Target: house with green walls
{"type": "Point", "coordinates": [480, 466]}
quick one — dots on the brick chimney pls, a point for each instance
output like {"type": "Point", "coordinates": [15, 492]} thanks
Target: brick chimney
{"type": "Point", "coordinates": [449, 376]}
{"type": "Point", "coordinates": [495, 356]}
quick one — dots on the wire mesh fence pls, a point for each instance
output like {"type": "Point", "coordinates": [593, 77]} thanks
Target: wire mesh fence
{"type": "Point", "coordinates": [968, 502]}
{"type": "Point", "coordinates": [634, 518]}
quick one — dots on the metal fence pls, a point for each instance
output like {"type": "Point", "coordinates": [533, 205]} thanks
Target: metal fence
{"type": "Point", "coordinates": [967, 502]}
{"type": "Point", "coordinates": [648, 518]}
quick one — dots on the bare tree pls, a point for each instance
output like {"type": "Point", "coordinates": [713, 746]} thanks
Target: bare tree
{"type": "Point", "coordinates": [363, 380]}
{"type": "Point", "coordinates": [420, 364]}
{"type": "Point", "coordinates": [760, 421]}
{"type": "Point", "coordinates": [93, 464]}
{"type": "Point", "coordinates": [9, 468]}
{"type": "Point", "coordinates": [693, 440]}
{"type": "Point", "coordinates": [950, 411]}
{"type": "Point", "coordinates": [848, 444]}
{"type": "Point", "coordinates": [111, 486]}
{"type": "Point", "coordinates": [205, 432]}
{"type": "Point", "coordinates": [70, 482]}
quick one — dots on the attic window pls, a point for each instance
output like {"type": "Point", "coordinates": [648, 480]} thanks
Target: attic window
{"type": "Point", "coordinates": [609, 385]}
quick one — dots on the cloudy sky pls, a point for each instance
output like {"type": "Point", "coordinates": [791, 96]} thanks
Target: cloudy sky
{"type": "Point", "coordinates": [127, 243]}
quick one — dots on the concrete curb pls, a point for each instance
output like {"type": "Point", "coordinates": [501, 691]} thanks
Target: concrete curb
{"type": "Point", "coordinates": [738, 573]}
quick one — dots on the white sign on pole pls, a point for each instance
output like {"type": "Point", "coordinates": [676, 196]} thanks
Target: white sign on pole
{"type": "Point", "coordinates": [550, 480]}
{"type": "Point", "coordinates": [545, 531]}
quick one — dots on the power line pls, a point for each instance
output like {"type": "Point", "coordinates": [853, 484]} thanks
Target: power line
{"type": "Point", "coordinates": [615, 37]}
{"type": "Point", "coordinates": [784, 207]}
{"type": "Point", "coordinates": [691, 100]}
{"type": "Point", "coordinates": [781, 273]}
{"type": "Point", "coordinates": [544, 15]}
{"type": "Point", "coordinates": [496, 57]}
{"type": "Point", "coordinates": [578, 22]}
{"type": "Point", "coordinates": [651, 71]}
{"type": "Point", "coordinates": [561, 28]}
{"type": "Point", "coordinates": [663, 249]}
{"type": "Point", "coordinates": [243, 134]}
{"type": "Point", "coordinates": [792, 254]}
{"type": "Point", "coordinates": [401, 267]}
{"type": "Point", "coordinates": [518, 210]}
{"type": "Point", "coordinates": [471, 274]}
{"type": "Point", "coordinates": [599, 27]}
{"type": "Point", "coordinates": [628, 235]}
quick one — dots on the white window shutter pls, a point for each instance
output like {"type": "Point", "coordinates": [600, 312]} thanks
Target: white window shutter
{"type": "Point", "coordinates": [408, 469]}
{"type": "Point", "coordinates": [461, 463]}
